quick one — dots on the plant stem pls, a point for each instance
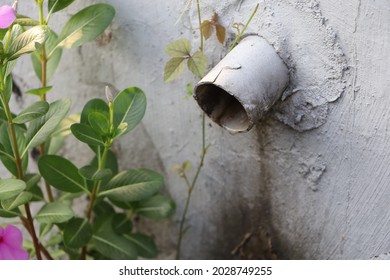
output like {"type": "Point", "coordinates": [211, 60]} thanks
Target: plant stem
{"type": "Point", "coordinates": [41, 19]}
{"type": "Point", "coordinates": [191, 187]}
{"type": "Point", "coordinates": [96, 186]}
{"type": "Point", "coordinates": [243, 30]}
{"type": "Point", "coordinates": [18, 163]}
{"type": "Point", "coordinates": [34, 237]}
{"type": "Point", "coordinates": [43, 96]}
{"type": "Point", "coordinates": [44, 70]}
{"type": "Point", "coordinates": [45, 252]}
{"type": "Point", "coordinates": [95, 191]}
{"type": "Point", "coordinates": [200, 24]}
{"type": "Point", "coordinates": [182, 221]}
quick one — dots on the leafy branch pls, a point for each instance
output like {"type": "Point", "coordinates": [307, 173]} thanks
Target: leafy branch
{"type": "Point", "coordinates": [115, 198]}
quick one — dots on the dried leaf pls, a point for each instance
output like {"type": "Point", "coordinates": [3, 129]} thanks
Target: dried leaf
{"type": "Point", "coordinates": [178, 48]}
{"type": "Point", "coordinates": [197, 64]}
{"type": "Point", "coordinates": [178, 169]}
{"type": "Point", "coordinates": [206, 28]}
{"type": "Point", "coordinates": [221, 33]}
{"type": "Point", "coordinates": [174, 68]}
{"type": "Point", "coordinates": [214, 18]}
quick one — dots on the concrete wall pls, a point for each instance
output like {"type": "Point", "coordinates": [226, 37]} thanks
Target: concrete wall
{"type": "Point", "coordinates": [311, 181]}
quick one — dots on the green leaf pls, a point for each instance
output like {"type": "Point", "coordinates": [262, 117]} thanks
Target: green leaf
{"type": "Point", "coordinates": [133, 185]}
{"type": "Point", "coordinates": [207, 29]}
{"type": "Point", "coordinates": [114, 246]}
{"type": "Point", "coordinates": [37, 193]}
{"type": "Point", "coordinates": [9, 38]}
{"type": "Point", "coordinates": [92, 173]}
{"type": "Point", "coordinates": [3, 31]}
{"type": "Point", "coordinates": [44, 229]}
{"type": "Point", "coordinates": [54, 145]}
{"type": "Point", "coordinates": [111, 162]}
{"type": "Point", "coordinates": [40, 129]}
{"type": "Point", "coordinates": [144, 244]}
{"type": "Point", "coordinates": [20, 199]}
{"type": "Point", "coordinates": [54, 213]}
{"type": "Point", "coordinates": [39, 91]}
{"type": "Point", "coordinates": [77, 233]}
{"type": "Point", "coordinates": [93, 105]}
{"type": "Point", "coordinates": [123, 205]}
{"type": "Point", "coordinates": [178, 48]}
{"type": "Point", "coordinates": [197, 64]}
{"type": "Point", "coordinates": [221, 33]}
{"type": "Point", "coordinates": [103, 208]}
{"type": "Point", "coordinates": [10, 188]}
{"type": "Point", "coordinates": [61, 173]}
{"type": "Point", "coordinates": [58, 5]}
{"type": "Point", "coordinates": [103, 213]}
{"type": "Point", "coordinates": [68, 198]}
{"type": "Point", "coordinates": [129, 107]}
{"type": "Point", "coordinates": [54, 240]}
{"type": "Point", "coordinates": [86, 25]}
{"type": "Point", "coordinates": [25, 21]}
{"type": "Point", "coordinates": [99, 123]}
{"type": "Point", "coordinates": [8, 86]}
{"type": "Point", "coordinates": [26, 42]}
{"type": "Point", "coordinates": [121, 223]}
{"type": "Point", "coordinates": [8, 159]}
{"type": "Point", "coordinates": [32, 181]}
{"type": "Point", "coordinates": [6, 148]}
{"type": "Point", "coordinates": [9, 213]}
{"type": "Point", "coordinates": [32, 112]}
{"type": "Point", "coordinates": [86, 134]}
{"type": "Point", "coordinates": [121, 129]}
{"type": "Point", "coordinates": [8, 70]}
{"type": "Point", "coordinates": [52, 62]}
{"type": "Point", "coordinates": [157, 207]}
{"type": "Point", "coordinates": [174, 68]}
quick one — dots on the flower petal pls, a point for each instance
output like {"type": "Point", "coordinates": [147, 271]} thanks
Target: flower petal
{"type": "Point", "coordinates": [7, 16]}
{"type": "Point", "coordinates": [12, 236]}
{"type": "Point", "coordinates": [5, 252]}
{"type": "Point", "coordinates": [9, 253]}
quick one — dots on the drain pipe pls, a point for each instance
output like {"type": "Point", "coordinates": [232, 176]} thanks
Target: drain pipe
{"type": "Point", "coordinates": [243, 86]}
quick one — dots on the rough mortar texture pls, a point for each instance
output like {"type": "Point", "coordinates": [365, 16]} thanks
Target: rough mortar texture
{"type": "Point", "coordinates": [310, 182]}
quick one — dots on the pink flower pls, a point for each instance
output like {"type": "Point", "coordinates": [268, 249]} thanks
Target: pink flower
{"type": "Point", "coordinates": [11, 244]}
{"type": "Point", "coordinates": [7, 16]}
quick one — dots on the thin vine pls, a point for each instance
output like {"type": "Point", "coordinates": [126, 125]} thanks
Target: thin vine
{"type": "Point", "coordinates": [180, 52]}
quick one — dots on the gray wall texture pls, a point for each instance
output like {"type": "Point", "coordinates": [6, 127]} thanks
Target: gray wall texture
{"type": "Point", "coordinates": [309, 182]}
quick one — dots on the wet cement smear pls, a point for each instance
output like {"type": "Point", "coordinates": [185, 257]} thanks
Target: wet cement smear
{"type": "Point", "coordinates": [309, 46]}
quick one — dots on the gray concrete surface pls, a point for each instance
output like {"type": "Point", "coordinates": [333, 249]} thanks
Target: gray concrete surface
{"type": "Point", "coordinates": [311, 181]}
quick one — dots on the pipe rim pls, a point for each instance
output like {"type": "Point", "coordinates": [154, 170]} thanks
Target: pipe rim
{"type": "Point", "coordinates": [224, 108]}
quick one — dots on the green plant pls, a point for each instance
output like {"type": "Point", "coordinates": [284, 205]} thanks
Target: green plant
{"type": "Point", "coordinates": [105, 230]}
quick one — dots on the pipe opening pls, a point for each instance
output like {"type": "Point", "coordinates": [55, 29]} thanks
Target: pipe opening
{"type": "Point", "coordinates": [222, 107]}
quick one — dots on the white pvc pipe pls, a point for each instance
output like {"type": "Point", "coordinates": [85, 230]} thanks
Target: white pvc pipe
{"type": "Point", "coordinates": [243, 86]}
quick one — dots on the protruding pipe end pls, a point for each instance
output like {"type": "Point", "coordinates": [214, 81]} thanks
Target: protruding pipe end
{"type": "Point", "coordinates": [223, 108]}
{"type": "Point", "coordinates": [243, 86]}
